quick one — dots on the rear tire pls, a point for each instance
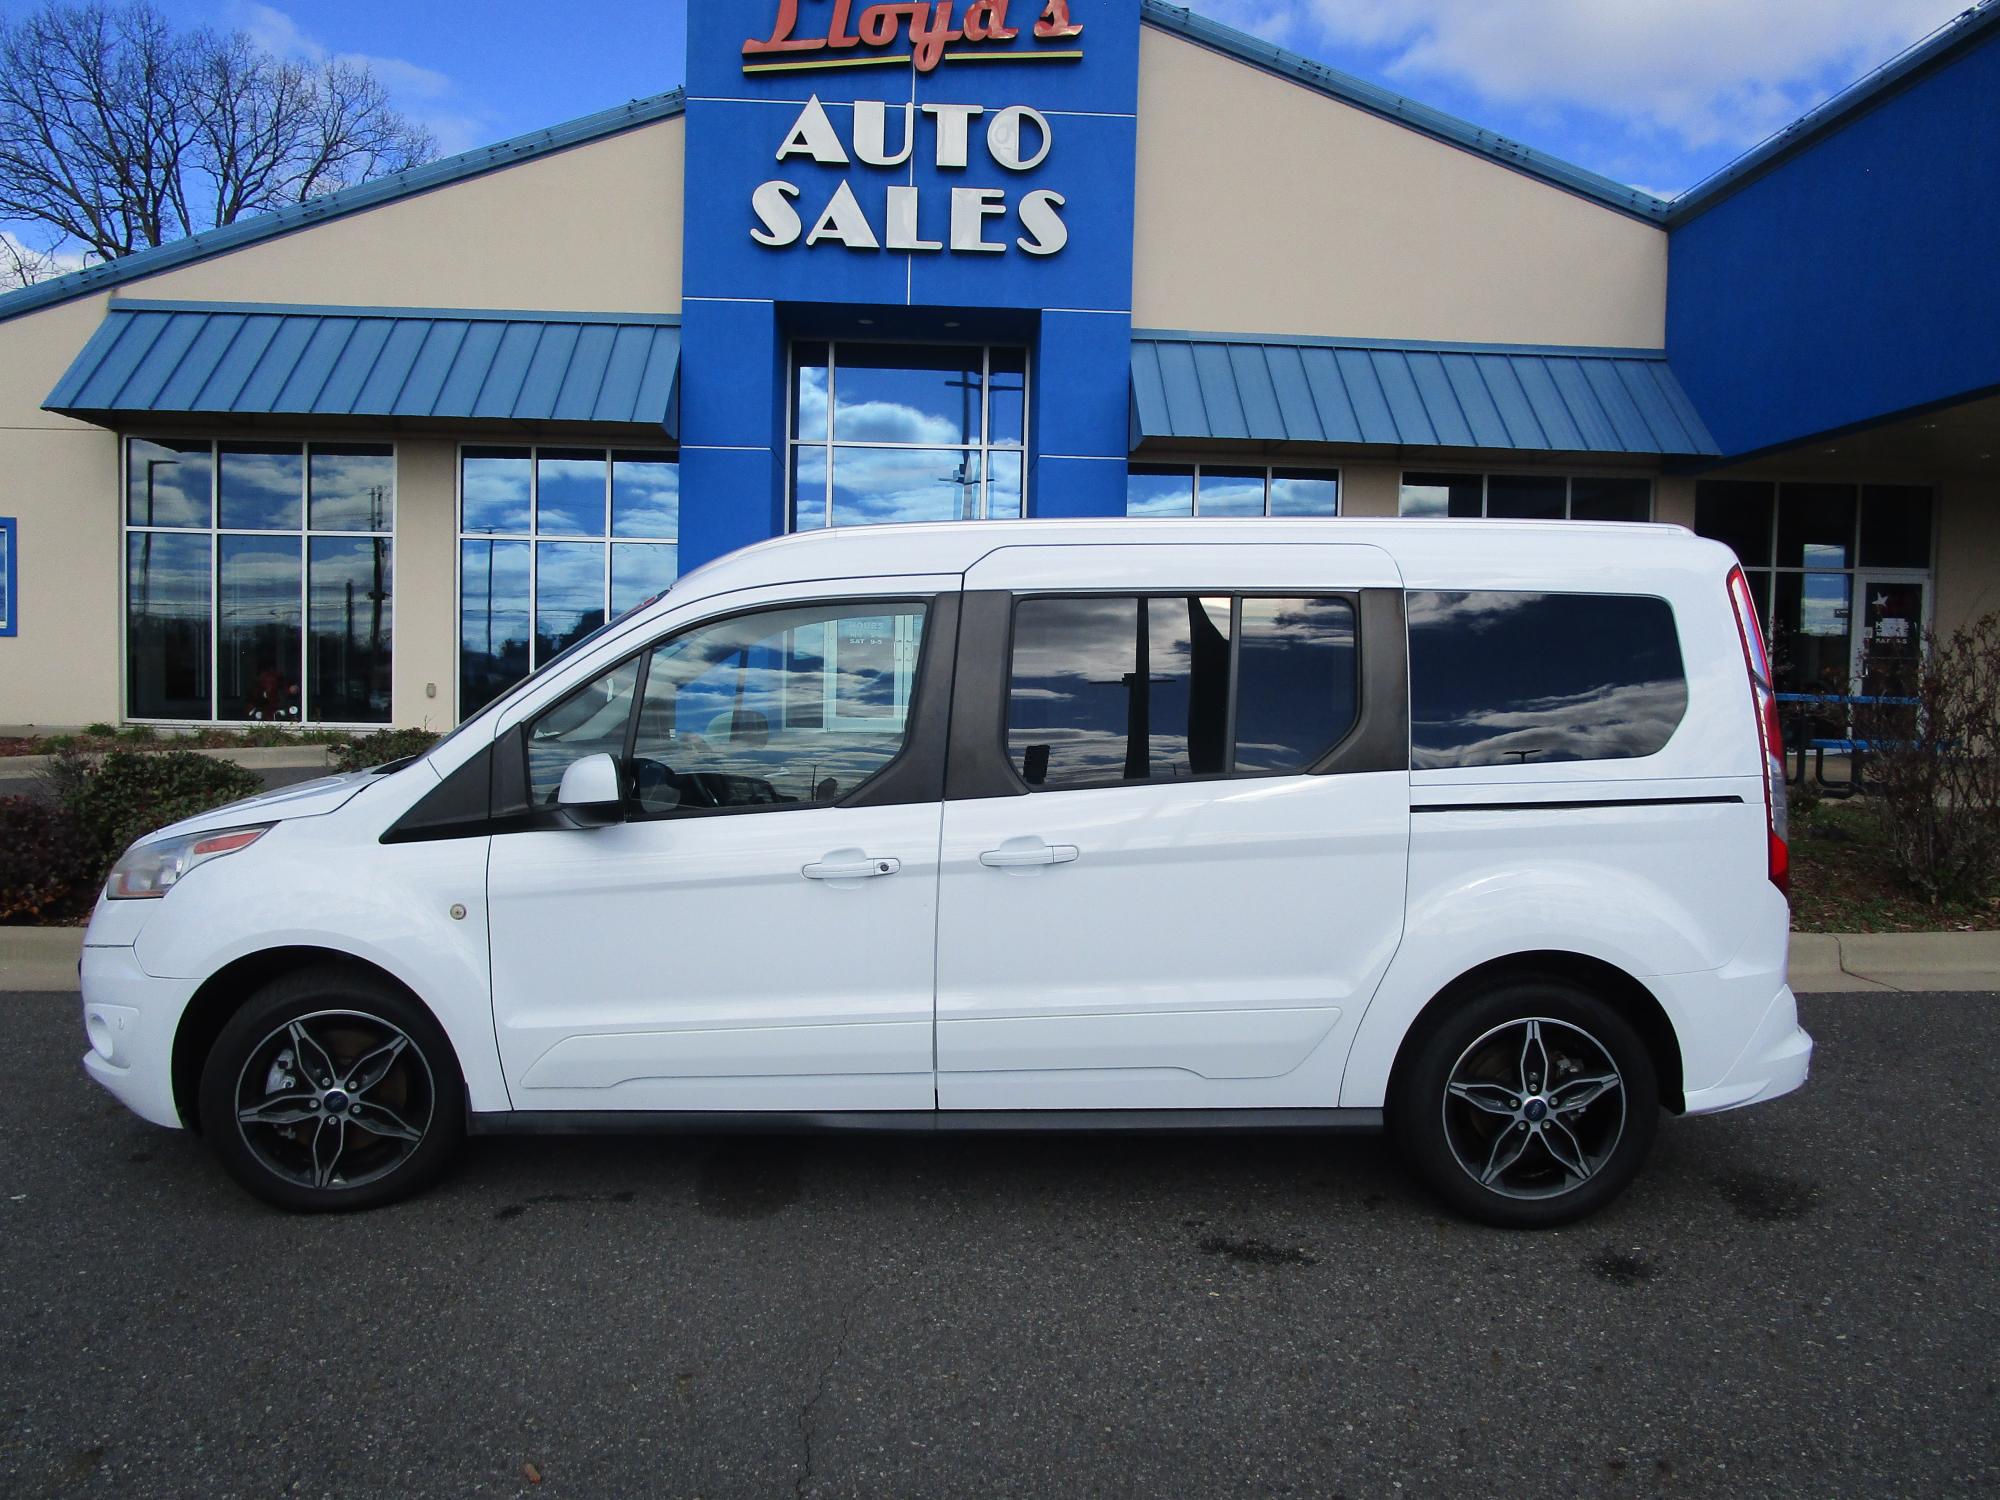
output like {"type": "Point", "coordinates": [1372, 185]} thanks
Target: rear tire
{"type": "Point", "coordinates": [1530, 1104]}
{"type": "Point", "coordinates": [330, 1091]}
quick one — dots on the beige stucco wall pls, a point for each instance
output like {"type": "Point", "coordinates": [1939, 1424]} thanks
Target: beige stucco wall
{"type": "Point", "coordinates": [593, 229]}
{"type": "Point", "coordinates": [59, 480]}
{"type": "Point", "coordinates": [1968, 552]}
{"type": "Point", "coordinates": [1266, 207]}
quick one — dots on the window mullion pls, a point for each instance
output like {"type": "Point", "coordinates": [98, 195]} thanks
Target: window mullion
{"type": "Point", "coordinates": [534, 556]}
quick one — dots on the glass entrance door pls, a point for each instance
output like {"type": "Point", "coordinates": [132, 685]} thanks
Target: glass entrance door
{"type": "Point", "coordinates": [1889, 648]}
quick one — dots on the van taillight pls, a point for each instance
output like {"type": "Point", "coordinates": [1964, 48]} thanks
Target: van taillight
{"type": "Point", "coordinates": [1769, 737]}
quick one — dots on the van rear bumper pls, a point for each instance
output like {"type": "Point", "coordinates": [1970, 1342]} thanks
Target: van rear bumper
{"type": "Point", "coordinates": [1774, 1063]}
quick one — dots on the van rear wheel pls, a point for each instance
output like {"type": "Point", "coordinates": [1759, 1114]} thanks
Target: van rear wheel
{"type": "Point", "coordinates": [1531, 1104]}
{"type": "Point", "coordinates": [330, 1091]}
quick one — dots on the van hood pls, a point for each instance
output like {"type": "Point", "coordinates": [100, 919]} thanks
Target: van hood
{"type": "Point", "coordinates": [309, 799]}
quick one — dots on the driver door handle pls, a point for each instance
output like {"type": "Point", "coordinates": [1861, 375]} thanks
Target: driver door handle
{"type": "Point", "coordinates": [1016, 857]}
{"type": "Point", "coordinates": [851, 869]}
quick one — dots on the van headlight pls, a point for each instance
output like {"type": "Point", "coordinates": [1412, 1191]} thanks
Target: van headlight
{"type": "Point", "coordinates": [151, 870]}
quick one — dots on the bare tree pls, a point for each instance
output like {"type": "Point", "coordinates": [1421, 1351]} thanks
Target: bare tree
{"type": "Point", "coordinates": [118, 132]}
{"type": "Point", "coordinates": [23, 264]}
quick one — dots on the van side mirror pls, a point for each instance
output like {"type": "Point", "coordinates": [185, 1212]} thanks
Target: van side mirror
{"type": "Point", "coordinates": [591, 792]}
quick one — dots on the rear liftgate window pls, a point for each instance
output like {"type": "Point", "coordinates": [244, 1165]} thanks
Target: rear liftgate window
{"type": "Point", "coordinates": [1125, 689]}
{"type": "Point", "coordinates": [1504, 679]}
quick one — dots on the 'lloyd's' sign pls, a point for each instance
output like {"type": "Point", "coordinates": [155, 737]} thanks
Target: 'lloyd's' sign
{"type": "Point", "coordinates": [878, 34]}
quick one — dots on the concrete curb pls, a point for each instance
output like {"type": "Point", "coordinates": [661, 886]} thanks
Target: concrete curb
{"type": "Point", "coordinates": [39, 960]}
{"type": "Point", "coordinates": [43, 959]}
{"type": "Point", "coordinates": [1833, 962]}
{"type": "Point", "coordinates": [250, 757]}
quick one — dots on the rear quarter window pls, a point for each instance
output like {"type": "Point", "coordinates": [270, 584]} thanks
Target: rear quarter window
{"type": "Point", "coordinates": [1507, 678]}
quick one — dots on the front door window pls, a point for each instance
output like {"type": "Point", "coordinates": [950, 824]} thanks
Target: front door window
{"type": "Point", "coordinates": [781, 708]}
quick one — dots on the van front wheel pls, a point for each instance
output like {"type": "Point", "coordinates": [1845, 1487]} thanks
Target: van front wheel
{"type": "Point", "coordinates": [1530, 1105]}
{"type": "Point", "coordinates": [332, 1090]}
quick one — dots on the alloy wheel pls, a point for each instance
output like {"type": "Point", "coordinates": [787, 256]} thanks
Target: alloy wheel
{"type": "Point", "coordinates": [334, 1100]}
{"type": "Point", "coordinates": [1534, 1108]}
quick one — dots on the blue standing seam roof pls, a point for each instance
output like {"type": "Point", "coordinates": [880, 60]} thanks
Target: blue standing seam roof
{"type": "Point", "coordinates": [1365, 391]}
{"type": "Point", "coordinates": [386, 363]}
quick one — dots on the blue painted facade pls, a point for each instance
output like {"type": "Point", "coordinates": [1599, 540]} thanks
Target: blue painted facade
{"type": "Point", "coordinates": [745, 300]}
{"type": "Point", "coordinates": [1848, 275]}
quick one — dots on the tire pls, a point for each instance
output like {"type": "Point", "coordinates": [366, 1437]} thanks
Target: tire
{"type": "Point", "coordinates": [316, 1142]}
{"type": "Point", "coordinates": [1507, 1154]}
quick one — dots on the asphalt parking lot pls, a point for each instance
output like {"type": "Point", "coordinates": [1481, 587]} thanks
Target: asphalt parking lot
{"type": "Point", "coordinates": [1797, 1300]}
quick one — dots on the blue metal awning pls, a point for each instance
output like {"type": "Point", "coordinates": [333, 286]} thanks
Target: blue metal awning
{"type": "Point", "coordinates": [1363, 391]}
{"type": "Point", "coordinates": [387, 364]}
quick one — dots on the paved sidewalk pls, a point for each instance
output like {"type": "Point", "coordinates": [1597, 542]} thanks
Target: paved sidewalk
{"type": "Point", "coordinates": [40, 959]}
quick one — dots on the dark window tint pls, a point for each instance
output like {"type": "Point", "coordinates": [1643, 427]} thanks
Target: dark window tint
{"type": "Point", "coordinates": [1524, 497]}
{"type": "Point", "coordinates": [1610, 499]}
{"type": "Point", "coordinates": [1295, 695]}
{"type": "Point", "coordinates": [1895, 526]}
{"type": "Point", "coordinates": [1816, 526]}
{"type": "Point", "coordinates": [1119, 689]}
{"type": "Point", "coordinates": [1738, 512]}
{"type": "Point", "coordinates": [1502, 679]}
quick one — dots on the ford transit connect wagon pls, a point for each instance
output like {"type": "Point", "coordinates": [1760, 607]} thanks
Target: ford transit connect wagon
{"type": "Point", "coordinates": [1473, 831]}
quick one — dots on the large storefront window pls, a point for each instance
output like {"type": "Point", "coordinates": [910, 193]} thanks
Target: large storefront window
{"type": "Point", "coordinates": [1819, 558]}
{"type": "Point", "coordinates": [898, 432]}
{"type": "Point", "coordinates": [259, 581]}
{"type": "Point", "coordinates": [1528, 497]}
{"type": "Point", "coordinates": [552, 543]}
{"type": "Point", "coordinates": [1230, 490]}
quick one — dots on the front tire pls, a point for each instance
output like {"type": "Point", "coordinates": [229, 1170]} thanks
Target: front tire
{"type": "Point", "coordinates": [331, 1091]}
{"type": "Point", "coordinates": [1529, 1105]}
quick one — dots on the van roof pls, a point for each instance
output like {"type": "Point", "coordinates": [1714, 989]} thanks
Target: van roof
{"type": "Point", "coordinates": [1419, 547]}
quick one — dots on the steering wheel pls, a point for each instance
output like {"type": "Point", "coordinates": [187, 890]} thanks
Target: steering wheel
{"type": "Point", "coordinates": [651, 777]}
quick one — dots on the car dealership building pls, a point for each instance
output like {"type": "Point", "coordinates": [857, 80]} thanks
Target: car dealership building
{"type": "Point", "coordinates": [370, 459]}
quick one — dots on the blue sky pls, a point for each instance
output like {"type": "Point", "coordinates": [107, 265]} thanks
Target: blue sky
{"type": "Point", "coordinates": [1657, 93]}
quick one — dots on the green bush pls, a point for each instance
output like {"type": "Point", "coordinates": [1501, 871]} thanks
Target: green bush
{"type": "Point", "coordinates": [127, 794]}
{"type": "Point", "coordinates": [99, 731]}
{"type": "Point", "coordinates": [1936, 761]}
{"type": "Point", "coordinates": [45, 861]}
{"type": "Point", "coordinates": [379, 749]}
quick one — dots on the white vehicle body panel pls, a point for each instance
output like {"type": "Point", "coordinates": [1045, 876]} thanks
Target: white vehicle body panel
{"type": "Point", "coordinates": [1234, 943]}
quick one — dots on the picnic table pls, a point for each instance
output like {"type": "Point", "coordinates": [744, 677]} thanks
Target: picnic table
{"type": "Point", "coordinates": [1857, 750]}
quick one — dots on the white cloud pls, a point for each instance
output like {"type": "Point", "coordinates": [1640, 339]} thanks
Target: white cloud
{"type": "Point", "coordinates": [424, 94]}
{"type": "Point", "coordinates": [24, 261]}
{"type": "Point", "coordinates": [1707, 72]}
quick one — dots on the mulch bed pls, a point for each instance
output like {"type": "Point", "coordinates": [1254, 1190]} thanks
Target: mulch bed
{"type": "Point", "coordinates": [1843, 881]}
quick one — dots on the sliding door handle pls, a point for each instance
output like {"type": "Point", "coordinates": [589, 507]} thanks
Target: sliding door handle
{"type": "Point", "coordinates": [851, 869]}
{"type": "Point", "coordinates": [1025, 856]}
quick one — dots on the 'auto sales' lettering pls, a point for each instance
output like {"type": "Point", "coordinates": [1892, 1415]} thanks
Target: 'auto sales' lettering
{"type": "Point", "coordinates": [1017, 139]}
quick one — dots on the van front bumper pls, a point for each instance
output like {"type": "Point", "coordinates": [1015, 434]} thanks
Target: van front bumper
{"type": "Point", "coordinates": [1774, 1063]}
{"type": "Point", "coordinates": [130, 1018]}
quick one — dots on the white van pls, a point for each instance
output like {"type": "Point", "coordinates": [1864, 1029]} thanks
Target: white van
{"type": "Point", "coordinates": [1472, 830]}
